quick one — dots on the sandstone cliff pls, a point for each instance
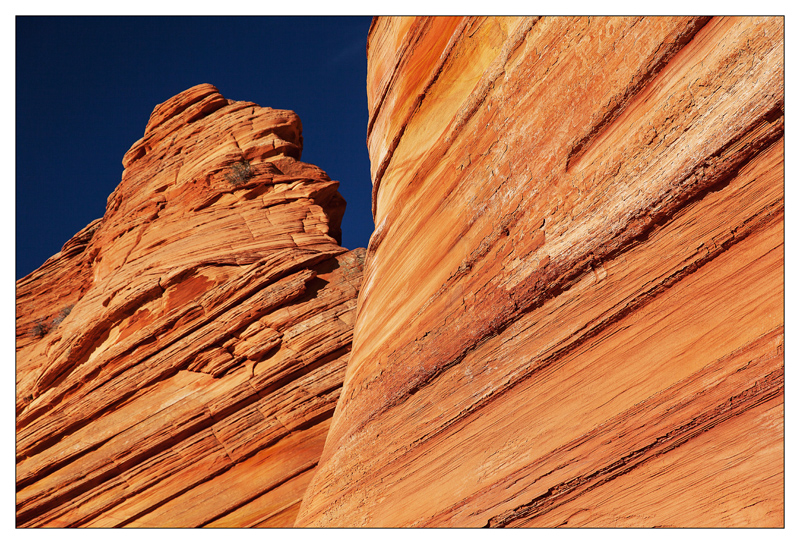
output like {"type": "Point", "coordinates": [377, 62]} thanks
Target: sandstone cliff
{"type": "Point", "coordinates": [572, 310]}
{"type": "Point", "coordinates": [179, 360]}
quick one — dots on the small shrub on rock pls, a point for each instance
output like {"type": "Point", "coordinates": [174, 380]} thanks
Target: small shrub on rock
{"type": "Point", "coordinates": [39, 329]}
{"type": "Point", "coordinates": [42, 327]}
{"type": "Point", "coordinates": [60, 316]}
{"type": "Point", "coordinates": [240, 172]}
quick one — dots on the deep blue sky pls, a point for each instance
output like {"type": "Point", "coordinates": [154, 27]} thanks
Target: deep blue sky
{"type": "Point", "coordinates": [85, 87]}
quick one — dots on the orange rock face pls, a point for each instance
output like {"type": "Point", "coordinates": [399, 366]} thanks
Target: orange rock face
{"type": "Point", "coordinates": [572, 310]}
{"type": "Point", "coordinates": [178, 362]}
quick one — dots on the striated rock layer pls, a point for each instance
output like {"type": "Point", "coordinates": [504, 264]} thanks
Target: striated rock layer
{"type": "Point", "coordinates": [572, 310]}
{"type": "Point", "coordinates": [179, 360]}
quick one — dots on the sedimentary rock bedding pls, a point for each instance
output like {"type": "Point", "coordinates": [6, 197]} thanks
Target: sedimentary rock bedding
{"type": "Point", "coordinates": [572, 309]}
{"type": "Point", "coordinates": [570, 313]}
{"type": "Point", "coordinates": [179, 360]}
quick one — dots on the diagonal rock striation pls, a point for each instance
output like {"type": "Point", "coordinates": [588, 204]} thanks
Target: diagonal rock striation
{"type": "Point", "coordinates": [179, 360]}
{"type": "Point", "coordinates": [572, 310]}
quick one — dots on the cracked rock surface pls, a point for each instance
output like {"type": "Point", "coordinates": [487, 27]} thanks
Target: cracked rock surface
{"type": "Point", "coordinates": [572, 309]}
{"type": "Point", "coordinates": [179, 360]}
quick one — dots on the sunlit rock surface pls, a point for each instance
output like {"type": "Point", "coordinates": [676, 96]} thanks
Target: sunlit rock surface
{"type": "Point", "coordinates": [572, 311]}
{"type": "Point", "coordinates": [179, 360]}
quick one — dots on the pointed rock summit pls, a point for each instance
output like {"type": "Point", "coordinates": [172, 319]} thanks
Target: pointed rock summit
{"type": "Point", "coordinates": [179, 360]}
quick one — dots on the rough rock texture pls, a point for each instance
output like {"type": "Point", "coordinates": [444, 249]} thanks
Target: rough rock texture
{"type": "Point", "coordinates": [572, 310]}
{"type": "Point", "coordinates": [193, 381]}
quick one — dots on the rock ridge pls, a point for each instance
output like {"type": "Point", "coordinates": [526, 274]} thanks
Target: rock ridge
{"type": "Point", "coordinates": [570, 313]}
{"type": "Point", "coordinates": [192, 340]}
{"type": "Point", "coordinates": [572, 309]}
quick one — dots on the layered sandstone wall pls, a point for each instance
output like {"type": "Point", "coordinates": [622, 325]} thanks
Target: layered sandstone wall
{"type": "Point", "coordinates": [572, 310]}
{"type": "Point", "coordinates": [179, 360]}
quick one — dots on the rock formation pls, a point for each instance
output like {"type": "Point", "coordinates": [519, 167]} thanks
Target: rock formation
{"type": "Point", "coordinates": [572, 310]}
{"type": "Point", "coordinates": [178, 362]}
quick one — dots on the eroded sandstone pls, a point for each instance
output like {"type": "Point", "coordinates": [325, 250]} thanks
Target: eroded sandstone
{"type": "Point", "coordinates": [571, 315]}
{"type": "Point", "coordinates": [572, 309]}
{"type": "Point", "coordinates": [179, 360]}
